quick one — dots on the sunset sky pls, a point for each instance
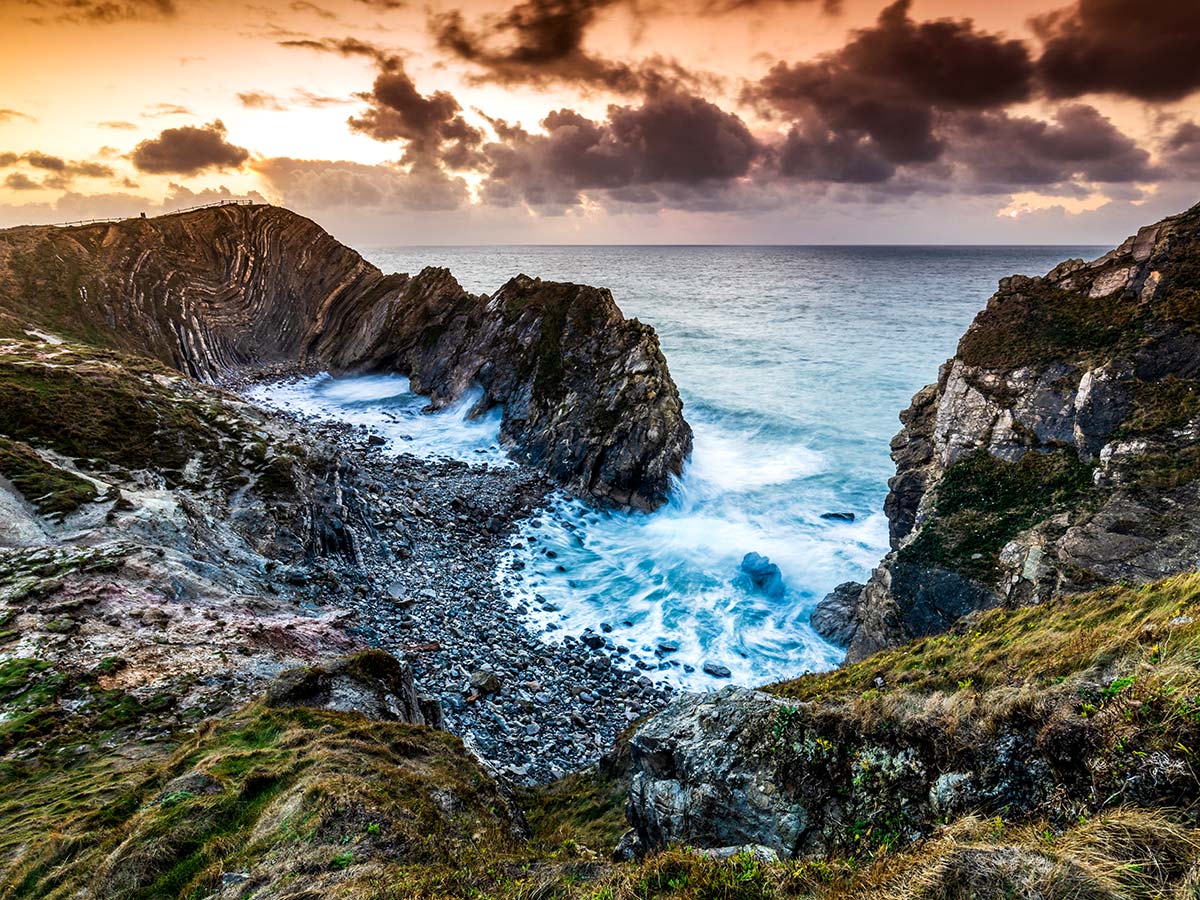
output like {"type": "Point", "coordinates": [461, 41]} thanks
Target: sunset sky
{"type": "Point", "coordinates": [610, 121]}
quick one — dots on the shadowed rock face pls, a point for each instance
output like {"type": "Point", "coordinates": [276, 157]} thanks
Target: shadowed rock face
{"type": "Point", "coordinates": [585, 392]}
{"type": "Point", "coordinates": [1058, 451]}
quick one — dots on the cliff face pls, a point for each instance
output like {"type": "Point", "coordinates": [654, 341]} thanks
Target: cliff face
{"type": "Point", "coordinates": [586, 393]}
{"type": "Point", "coordinates": [1057, 451]}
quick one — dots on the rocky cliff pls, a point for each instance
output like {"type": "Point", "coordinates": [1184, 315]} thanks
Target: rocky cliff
{"type": "Point", "coordinates": [1057, 452]}
{"type": "Point", "coordinates": [585, 392]}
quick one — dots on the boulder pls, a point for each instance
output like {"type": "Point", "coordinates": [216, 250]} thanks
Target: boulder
{"type": "Point", "coordinates": [372, 683]}
{"type": "Point", "coordinates": [836, 617]}
{"type": "Point", "coordinates": [757, 573]}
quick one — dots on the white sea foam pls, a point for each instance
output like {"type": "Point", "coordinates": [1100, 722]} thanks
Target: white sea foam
{"type": "Point", "coordinates": [385, 405]}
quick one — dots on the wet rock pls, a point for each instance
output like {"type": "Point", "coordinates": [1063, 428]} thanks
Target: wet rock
{"type": "Point", "coordinates": [716, 670]}
{"type": "Point", "coordinates": [759, 574]}
{"type": "Point", "coordinates": [838, 516]}
{"type": "Point", "coordinates": [836, 617]}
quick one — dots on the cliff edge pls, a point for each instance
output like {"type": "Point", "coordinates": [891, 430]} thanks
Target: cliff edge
{"type": "Point", "coordinates": [1057, 452]}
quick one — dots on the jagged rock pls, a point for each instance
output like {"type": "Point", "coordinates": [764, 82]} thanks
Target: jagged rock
{"type": "Point", "coordinates": [373, 683]}
{"type": "Point", "coordinates": [585, 392]}
{"type": "Point", "coordinates": [836, 617]}
{"type": "Point", "coordinates": [1095, 370]}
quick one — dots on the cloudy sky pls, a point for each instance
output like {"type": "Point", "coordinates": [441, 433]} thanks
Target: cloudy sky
{"type": "Point", "coordinates": [601, 121]}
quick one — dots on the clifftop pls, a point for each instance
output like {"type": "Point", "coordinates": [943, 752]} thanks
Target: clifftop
{"type": "Point", "coordinates": [586, 393]}
{"type": "Point", "coordinates": [1058, 450]}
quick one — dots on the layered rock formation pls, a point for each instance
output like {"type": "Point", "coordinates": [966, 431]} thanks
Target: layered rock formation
{"type": "Point", "coordinates": [1058, 450]}
{"type": "Point", "coordinates": [586, 393]}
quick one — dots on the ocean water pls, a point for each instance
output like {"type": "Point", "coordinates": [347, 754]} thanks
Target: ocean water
{"type": "Point", "coordinates": [793, 363]}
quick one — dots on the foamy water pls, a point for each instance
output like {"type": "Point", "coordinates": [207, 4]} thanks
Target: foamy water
{"type": "Point", "coordinates": [385, 405]}
{"type": "Point", "coordinates": [793, 364]}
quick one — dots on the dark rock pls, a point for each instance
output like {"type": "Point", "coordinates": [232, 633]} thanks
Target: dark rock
{"type": "Point", "coordinates": [716, 670]}
{"type": "Point", "coordinates": [759, 574]}
{"type": "Point", "coordinates": [592, 640]}
{"type": "Point", "coordinates": [372, 683]}
{"type": "Point", "coordinates": [836, 617]}
{"type": "Point", "coordinates": [838, 516]}
{"type": "Point", "coordinates": [484, 683]}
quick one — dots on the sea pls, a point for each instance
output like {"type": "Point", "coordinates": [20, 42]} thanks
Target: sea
{"type": "Point", "coordinates": [793, 364]}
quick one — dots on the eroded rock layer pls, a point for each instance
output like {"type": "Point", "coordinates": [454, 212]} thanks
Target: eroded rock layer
{"type": "Point", "coordinates": [586, 393]}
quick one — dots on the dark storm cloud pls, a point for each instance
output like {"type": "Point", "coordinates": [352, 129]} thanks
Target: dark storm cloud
{"type": "Point", "coordinates": [1003, 152]}
{"type": "Point", "coordinates": [541, 42]}
{"type": "Point", "coordinates": [188, 150]}
{"type": "Point", "coordinates": [1146, 50]}
{"type": "Point", "coordinates": [100, 12]}
{"type": "Point", "coordinates": [431, 124]}
{"type": "Point", "coordinates": [535, 41]}
{"type": "Point", "coordinates": [878, 96]}
{"type": "Point", "coordinates": [670, 139]}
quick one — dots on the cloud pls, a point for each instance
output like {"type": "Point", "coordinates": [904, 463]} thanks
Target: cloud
{"type": "Point", "coordinates": [1003, 153]}
{"type": "Point", "coordinates": [119, 125]}
{"type": "Point", "coordinates": [323, 184]}
{"type": "Point", "coordinates": [346, 46]}
{"type": "Point", "coordinates": [157, 110]}
{"type": "Point", "coordinates": [102, 12]}
{"type": "Point", "coordinates": [1146, 50]}
{"type": "Point", "coordinates": [18, 181]}
{"type": "Point", "coordinates": [431, 124]}
{"type": "Point", "coordinates": [631, 157]}
{"type": "Point", "coordinates": [304, 97]}
{"type": "Point", "coordinates": [1181, 151]}
{"type": "Point", "coordinates": [188, 150]}
{"type": "Point", "coordinates": [878, 96]}
{"type": "Point", "coordinates": [260, 100]}
{"type": "Point", "coordinates": [303, 6]}
{"type": "Point", "coordinates": [7, 115]}
{"type": "Point", "coordinates": [543, 42]}
{"type": "Point", "coordinates": [61, 171]}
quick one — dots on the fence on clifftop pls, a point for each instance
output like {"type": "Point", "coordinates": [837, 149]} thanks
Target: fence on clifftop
{"type": "Point", "coordinates": [173, 212]}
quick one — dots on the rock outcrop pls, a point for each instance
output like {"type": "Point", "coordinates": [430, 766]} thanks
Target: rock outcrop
{"type": "Point", "coordinates": [1058, 451]}
{"type": "Point", "coordinates": [1053, 714]}
{"type": "Point", "coordinates": [585, 392]}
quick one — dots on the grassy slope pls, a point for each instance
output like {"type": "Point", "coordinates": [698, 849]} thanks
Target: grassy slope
{"type": "Point", "coordinates": [317, 804]}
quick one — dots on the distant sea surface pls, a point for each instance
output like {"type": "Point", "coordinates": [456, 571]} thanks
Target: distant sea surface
{"type": "Point", "coordinates": [793, 363]}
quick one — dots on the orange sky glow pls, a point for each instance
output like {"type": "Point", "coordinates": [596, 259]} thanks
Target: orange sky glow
{"type": "Point", "coordinates": [596, 121]}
